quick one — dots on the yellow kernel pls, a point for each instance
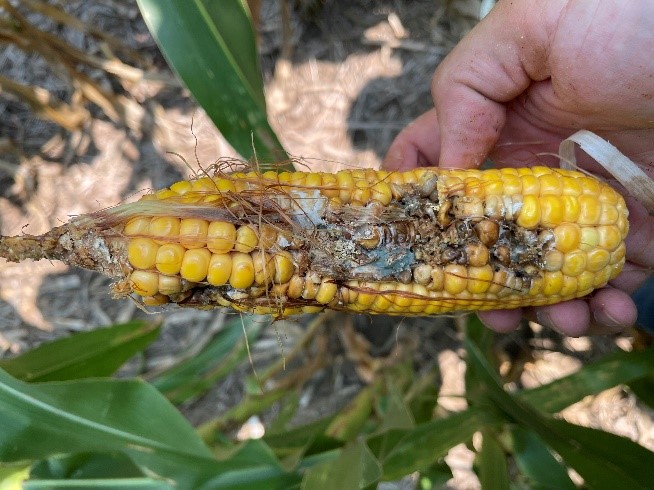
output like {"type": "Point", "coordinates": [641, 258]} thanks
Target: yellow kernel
{"type": "Point", "coordinates": [284, 268]}
{"type": "Point", "coordinates": [137, 226]}
{"type": "Point", "coordinates": [574, 263]}
{"type": "Point", "coordinates": [598, 259]}
{"type": "Point", "coordinates": [327, 292]}
{"type": "Point", "coordinates": [553, 260]}
{"type": "Point", "coordinates": [181, 187]}
{"type": "Point", "coordinates": [493, 184]}
{"type": "Point", "coordinates": [499, 282]}
{"type": "Point", "coordinates": [529, 215]}
{"type": "Point", "coordinates": [608, 195]}
{"type": "Point", "coordinates": [571, 208]}
{"type": "Point", "coordinates": [195, 264]}
{"type": "Point", "coordinates": [220, 269]}
{"type": "Point", "coordinates": [602, 277]}
{"type": "Point", "coordinates": [609, 237]}
{"type": "Point", "coordinates": [619, 253]}
{"type": "Point", "coordinates": [552, 283]}
{"type": "Point", "coordinates": [203, 185]}
{"type": "Point", "coordinates": [164, 227]}
{"type": "Point", "coordinates": [165, 194]}
{"type": "Point", "coordinates": [361, 194]}
{"type": "Point", "coordinates": [264, 267]}
{"type": "Point", "coordinates": [225, 185]}
{"type": "Point", "coordinates": [314, 179]}
{"type": "Point", "coordinates": [585, 281]}
{"type": "Point", "coordinates": [142, 253]}
{"type": "Point", "coordinates": [295, 287]}
{"type": "Point", "coordinates": [311, 286]}
{"type": "Point", "coordinates": [144, 283]}
{"type": "Point", "coordinates": [169, 258]}
{"type": "Point", "coordinates": [567, 237]}
{"type": "Point", "coordinates": [571, 186]}
{"type": "Point", "coordinates": [221, 237]}
{"type": "Point", "coordinates": [590, 186]}
{"type": "Point", "coordinates": [609, 214]}
{"type": "Point", "coordinates": [367, 293]}
{"type": "Point", "coordinates": [589, 238]}
{"type": "Point", "coordinates": [437, 279]}
{"type": "Point", "coordinates": [551, 208]}
{"type": "Point", "coordinates": [456, 278]}
{"type": "Point", "coordinates": [537, 284]}
{"type": "Point", "coordinates": [589, 210]}
{"type": "Point", "coordinates": [242, 271]}
{"type": "Point", "coordinates": [381, 192]}
{"type": "Point", "coordinates": [550, 184]}
{"type": "Point", "coordinates": [329, 186]}
{"type": "Point", "coordinates": [246, 239]}
{"type": "Point", "coordinates": [346, 185]}
{"type": "Point", "coordinates": [530, 185]}
{"type": "Point", "coordinates": [193, 232]}
{"type": "Point", "coordinates": [169, 284]}
{"type": "Point", "coordinates": [512, 184]}
{"type": "Point", "coordinates": [156, 300]}
{"type": "Point", "coordinates": [569, 287]}
{"type": "Point", "coordinates": [479, 279]}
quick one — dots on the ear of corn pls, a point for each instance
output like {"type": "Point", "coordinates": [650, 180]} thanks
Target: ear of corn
{"type": "Point", "coordinates": [421, 242]}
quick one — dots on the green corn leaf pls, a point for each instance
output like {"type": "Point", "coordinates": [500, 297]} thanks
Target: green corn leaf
{"type": "Point", "coordinates": [541, 470]}
{"type": "Point", "coordinates": [614, 369]}
{"type": "Point", "coordinates": [129, 416]}
{"type": "Point", "coordinates": [604, 460]}
{"type": "Point", "coordinates": [195, 375]}
{"type": "Point", "coordinates": [491, 462]}
{"type": "Point", "coordinates": [355, 468]}
{"type": "Point", "coordinates": [404, 451]}
{"type": "Point", "coordinates": [96, 353]}
{"type": "Point", "coordinates": [211, 47]}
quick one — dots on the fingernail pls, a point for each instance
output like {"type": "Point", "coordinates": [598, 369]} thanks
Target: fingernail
{"type": "Point", "coordinates": [603, 318]}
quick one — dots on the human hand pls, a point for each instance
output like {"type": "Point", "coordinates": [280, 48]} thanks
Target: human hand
{"type": "Point", "coordinates": [525, 78]}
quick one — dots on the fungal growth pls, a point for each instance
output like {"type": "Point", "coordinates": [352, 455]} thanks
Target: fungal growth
{"type": "Point", "coordinates": [420, 242]}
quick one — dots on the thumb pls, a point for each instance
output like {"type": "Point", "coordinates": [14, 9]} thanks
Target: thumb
{"type": "Point", "coordinates": [491, 66]}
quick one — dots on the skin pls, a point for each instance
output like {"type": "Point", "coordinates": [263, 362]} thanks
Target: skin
{"type": "Point", "coordinates": [525, 78]}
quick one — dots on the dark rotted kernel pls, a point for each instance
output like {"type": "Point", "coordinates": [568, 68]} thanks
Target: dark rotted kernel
{"type": "Point", "coordinates": [488, 232]}
{"type": "Point", "coordinates": [405, 277]}
{"type": "Point", "coordinates": [451, 256]}
{"type": "Point", "coordinates": [463, 230]}
{"type": "Point", "coordinates": [503, 254]}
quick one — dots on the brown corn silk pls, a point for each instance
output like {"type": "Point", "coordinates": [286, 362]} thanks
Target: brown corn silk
{"type": "Point", "coordinates": [420, 242]}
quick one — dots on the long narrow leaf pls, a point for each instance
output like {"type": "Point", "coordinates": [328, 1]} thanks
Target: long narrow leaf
{"type": "Point", "coordinates": [604, 460]}
{"type": "Point", "coordinates": [211, 46]}
{"type": "Point", "coordinates": [195, 375]}
{"type": "Point", "coordinates": [541, 470]}
{"type": "Point", "coordinates": [618, 368]}
{"type": "Point", "coordinates": [96, 353]}
{"type": "Point", "coordinates": [493, 472]}
{"type": "Point", "coordinates": [41, 420]}
{"type": "Point", "coordinates": [404, 451]}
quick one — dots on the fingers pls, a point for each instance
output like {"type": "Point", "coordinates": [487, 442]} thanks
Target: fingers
{"type": "Point", "coordinates": [502, 321]}
{"type": "Point", "coordinates": [417, 145]}
{"type": "Point", "coordinates": [608, 311]}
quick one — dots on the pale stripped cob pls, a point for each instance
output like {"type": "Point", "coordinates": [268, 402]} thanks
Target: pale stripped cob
{"type": "Point", "coordinates": [420, 242]}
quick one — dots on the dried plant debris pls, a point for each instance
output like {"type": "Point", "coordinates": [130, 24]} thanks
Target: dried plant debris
{"type": "Point", "coordinates": [420, 242]}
